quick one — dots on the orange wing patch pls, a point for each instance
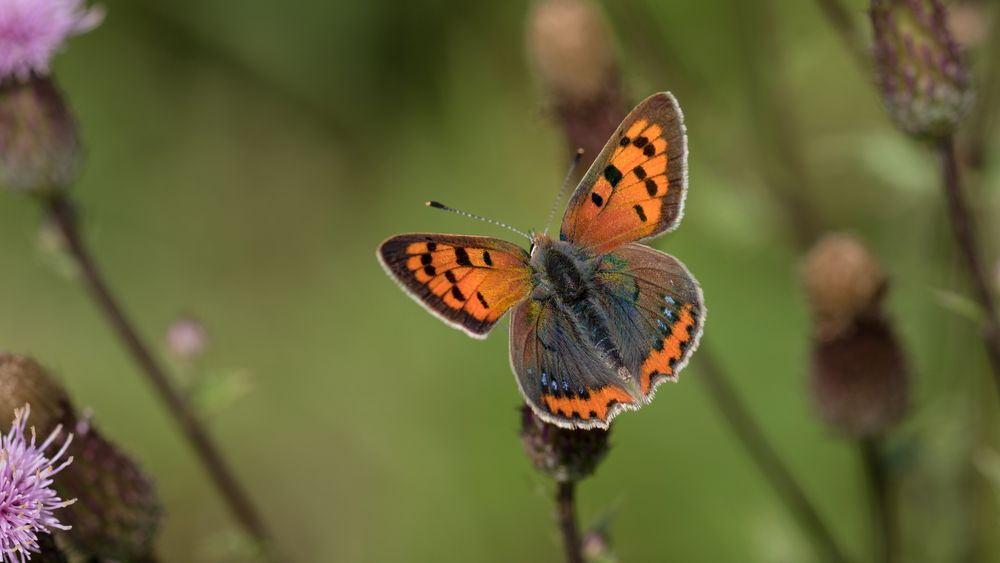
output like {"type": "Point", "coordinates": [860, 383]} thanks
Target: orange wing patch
{"type": "Point", "coordinates": [673, 347]}
{"type": "Point", "coordinates": [591, 404]}
{"type": "Point", "coordinates": [468, 281]}
{"type": "Point", "coordinates": [635, 189]}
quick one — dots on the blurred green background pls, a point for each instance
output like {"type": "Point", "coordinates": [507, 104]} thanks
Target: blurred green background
{"type": "Point", "coordinates": [245, 158]}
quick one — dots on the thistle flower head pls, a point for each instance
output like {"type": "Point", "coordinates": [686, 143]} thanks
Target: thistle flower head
{"type": "Point", "coordinates": [31, 31]}
{"type": "Point", "coordinates": [27, 499]}
{"type": "Point", "coordinates": [117, 512]}
{"type": "Point", "coordinates": [924, 82]}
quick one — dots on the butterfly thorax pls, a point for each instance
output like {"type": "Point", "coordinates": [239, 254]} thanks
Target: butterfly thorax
{"type": "Point", "coordinates": [562, 270]}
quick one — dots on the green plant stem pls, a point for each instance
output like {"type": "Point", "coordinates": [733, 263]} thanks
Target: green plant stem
{"type": "Point", "coordinates": [566, 515]}
{"type": "Point", "coordinates": [775, 132]}
{"type": "Point", "coordinates": [841, 21]}
{"type": "Point", "coordinates": [882, 501]}
{"type": "Point", "coordinates": [63, 214]}
{"type": "Point", "coordinates": [963, 229]}
{"type": "Point", "coordinates": [749, 433]}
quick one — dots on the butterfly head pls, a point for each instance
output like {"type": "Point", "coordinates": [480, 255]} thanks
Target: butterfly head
{"type": "Point", "coordinates": [539, 243]}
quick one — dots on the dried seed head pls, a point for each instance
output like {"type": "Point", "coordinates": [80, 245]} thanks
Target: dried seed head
{"type": "Point", "coordinates": [924, 82]}
{"type": "Point", "coordinates": [24, 381]}
{"type": "Point", "coordinates": [843, 282]}
{"type": "Point", "coordinates": [563, 454]}
{"type": "Point", "coordinates": [39, 148]}
{"type": "Point", "coordinates": [859, 379]}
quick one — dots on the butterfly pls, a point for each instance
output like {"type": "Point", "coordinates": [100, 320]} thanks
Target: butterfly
{"type": "Point", "coordinates": [599, 321]}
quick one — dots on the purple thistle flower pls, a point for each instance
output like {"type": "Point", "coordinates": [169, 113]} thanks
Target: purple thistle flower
{"type": "Point", "coordinates": [31, 31]}
{"type": "Point", "coordinates": [27, 499]}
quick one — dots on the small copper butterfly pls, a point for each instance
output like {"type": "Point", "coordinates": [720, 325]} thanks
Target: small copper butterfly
{"type": "Point", "coordinates": [599, 321]}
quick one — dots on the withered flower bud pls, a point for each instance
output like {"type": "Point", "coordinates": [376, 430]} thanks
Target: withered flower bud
{"type": "Point", "coordinates": [117, 512]}
{"type": "Point", "coordinates": [569, 45]}
{"type": "Point", "coordinates": [39, 147]}
{"type": "Point", "coordinates": [859, 380]}
{"type": "Point", "coordinates": [843, 282]}
{"type": "Point", "coordinates": [563, 454]}
{"type": "Point", "coordinates": [924, 82]}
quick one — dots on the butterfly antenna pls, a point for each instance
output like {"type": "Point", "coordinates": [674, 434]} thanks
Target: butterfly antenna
{"type": "Point", "coordinates": [438, 205]}
{"type": "Point", "coordinates": [562, 190]}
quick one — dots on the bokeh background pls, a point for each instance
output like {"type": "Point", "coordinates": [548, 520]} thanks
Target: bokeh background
{"type": "Point", "coordinates": [245, 158]}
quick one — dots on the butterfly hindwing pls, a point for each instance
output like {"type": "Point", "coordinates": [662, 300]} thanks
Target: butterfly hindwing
{"type": "Point", "coordinates": [658, 308]}
{"type": "Point", "coordinates": [635, 189]}
{"type": "Point", "coordinates": [469, 282]}
{"type": "Point", "coordinates": [560, 375]}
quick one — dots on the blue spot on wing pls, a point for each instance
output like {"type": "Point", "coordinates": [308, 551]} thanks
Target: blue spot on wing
{"type": "Point", "coordinates": [669, 299]}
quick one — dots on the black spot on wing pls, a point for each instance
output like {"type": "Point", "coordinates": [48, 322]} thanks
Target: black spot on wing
{"type": "Point", "coordinates": [651, 186]}
{"type": "Point", "coordinates": [613, 175]}
{"type": "Point", "coordinates": [482, 300]}
{"type": "Point", "coordinates": [596, 198]}
{"type": "Point", "coordinates": [450, 276]}
{"type": "Point", "coordinates": [640, 141]}
{"type": "Point", "coordinates": [457, 293]}
{"type": "Point", "coordinates": [426, 259]}
{"type": "Point", "coordinates": [649, 150]}
{"type": "Point", "coordinates": [462, 257]}
{"type": "Point", "coordinates": [430, 271]}
{"type": "Point", "coordinates": [639, 172]}
{"type": "Point", "coordinates": [640, 212]}
{"type": "Point", "coordinates": [486, 258]}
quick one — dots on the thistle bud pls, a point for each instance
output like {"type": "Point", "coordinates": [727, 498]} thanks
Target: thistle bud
{"type": "Point", "coordinates": [561, 453]}
{"type": "Point", "coordinates": [187, 338]}
{"type": "Point", "coordinates": [117, 511]}
{"type": "Point", "coordinates": [39, 147]}
{"type": "Point", "coordinates": [843, 282]}
{"type": "Point", "coordinates": [571, 51]}
{"type": "Point", "coordinates": [924, 82]}
{"type": "Point", "coordinates": [859, 379]}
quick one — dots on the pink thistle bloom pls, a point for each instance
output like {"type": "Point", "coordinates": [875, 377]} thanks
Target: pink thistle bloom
{"type": "Point", "coordinates": [27, 499]}
{"type": "Point", "coordinates": [31, 31]}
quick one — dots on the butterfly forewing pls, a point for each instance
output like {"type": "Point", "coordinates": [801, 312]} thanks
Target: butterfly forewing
{"type": "Point", "coordinates": [635, 189]}
{"type": "Point", "coordinates": [469, 282]}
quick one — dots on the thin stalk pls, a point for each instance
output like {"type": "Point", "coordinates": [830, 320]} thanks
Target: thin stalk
{"type": "Point", "coordinates": [566, 514]}
{"type": "Point", "coordinates": [767, 458]}
{"type": "Point", "coordinates": [63, 215]}
{"type": "Point", "coordinates": [881, 495]}
{"type": "Point", "coordinates": [964, 232]}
